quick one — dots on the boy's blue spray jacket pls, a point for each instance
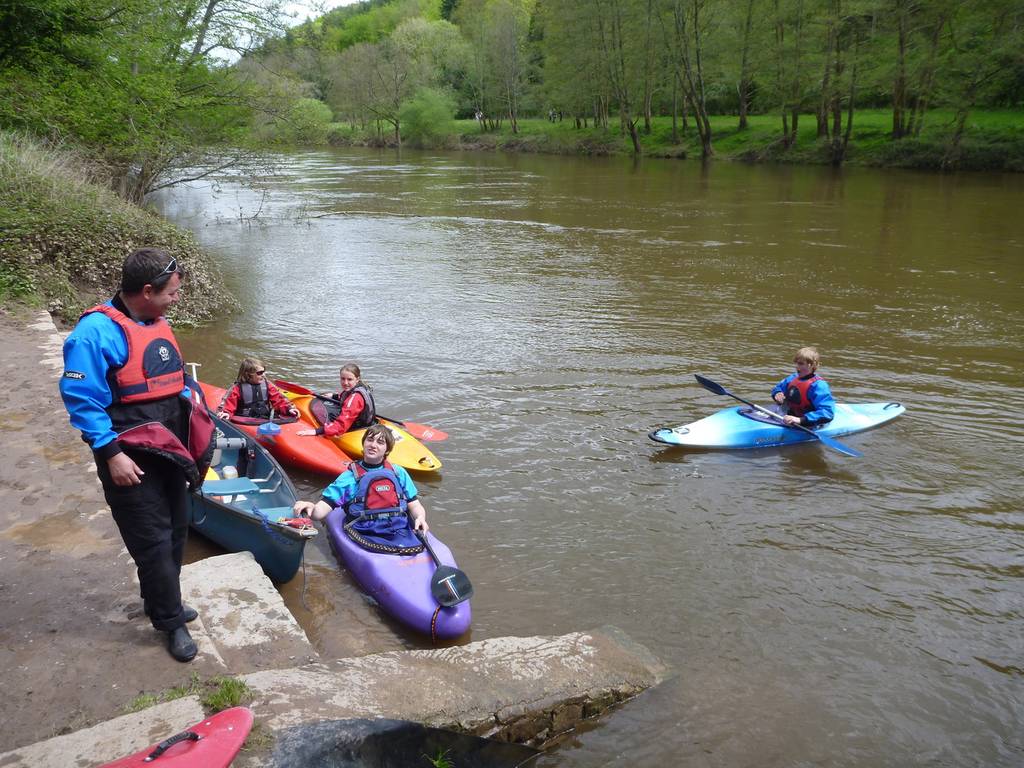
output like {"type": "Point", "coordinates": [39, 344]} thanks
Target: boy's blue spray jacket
{"type": "Point", "coordinates": [96, 346]}
{"type": "Point", "coordinates": [823, 404]}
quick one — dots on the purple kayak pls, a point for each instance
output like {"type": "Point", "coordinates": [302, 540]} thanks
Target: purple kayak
{"type": "Point", "coordinates": [401, 583]}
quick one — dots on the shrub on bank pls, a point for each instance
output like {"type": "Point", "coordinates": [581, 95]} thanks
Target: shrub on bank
{"type": "Point", "coordinates": [426, 118]}
{"type": "Point", "coordinates": [307, 123]}
{"type": "Point", "coordinates": [64, 235]}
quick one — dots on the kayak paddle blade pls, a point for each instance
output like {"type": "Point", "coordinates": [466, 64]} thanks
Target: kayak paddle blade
{"type": "Point", "coordinates": [291, 387]}
{"type": "Point", "coordinates": [450, 586]}
{"type": "Point", "coordinates": [711, 386]}
{"type": "Point", "coordinates": [837, 446]}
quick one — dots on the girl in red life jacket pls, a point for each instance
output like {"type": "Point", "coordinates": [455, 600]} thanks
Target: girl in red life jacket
{"type": "Point", "coordinates": [377, 444]}
{"type": "Point", "coordinates": [357, 406]}
{"type": "Point", "coordinates": [253, 396]}
{"type": "Point", "coordinates": [806, 396]}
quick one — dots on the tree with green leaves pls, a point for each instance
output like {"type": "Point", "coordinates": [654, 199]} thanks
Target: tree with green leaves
{"type": "Point", "coordinates": [143, 86]}
{"type": "Point", "coordinates": [986, 49]}
{"type": "Point", "coordinates": [573, 75]}
{"type": "Point", "coordinates": [498, 57]}
{"type": "Point", "coordinates": [687, 30]}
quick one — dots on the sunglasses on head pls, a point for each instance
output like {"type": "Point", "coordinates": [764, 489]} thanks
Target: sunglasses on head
{"type": "Point", "coordinates": [165, 274]}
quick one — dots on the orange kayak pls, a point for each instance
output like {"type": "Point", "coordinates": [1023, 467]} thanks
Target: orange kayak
{"type": "Point", "coordinates": [408, 451]}
{"type": "Point", "coordinates": [313, 454]}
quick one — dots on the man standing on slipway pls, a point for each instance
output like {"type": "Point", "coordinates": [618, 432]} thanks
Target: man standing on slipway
{"type": "Point", "coordinates": [124, 387]}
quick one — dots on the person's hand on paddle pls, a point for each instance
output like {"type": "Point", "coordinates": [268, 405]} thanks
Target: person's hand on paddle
{"type": "Point", "coordinates": [124, 471]}
{"type": "Point", "coordinates": [293, 412]}
{"type": "Point", "coordinates": [223, 415]}
{"type": "Point", "coordinates": [779, 398]}
{"type": "Point", "coordinates": [790, 420]}
{"type": "Point", "coordinates": [418, 516]}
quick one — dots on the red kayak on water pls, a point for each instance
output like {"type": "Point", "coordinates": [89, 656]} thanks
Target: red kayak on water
{"type": "Point", "coordinates": [213, 743]}
{"type": "Point", "coordinates": [308, 453]}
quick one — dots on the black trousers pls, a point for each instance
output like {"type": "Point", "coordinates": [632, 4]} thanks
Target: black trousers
{"type": "Point", "coordinates": [153, 520]}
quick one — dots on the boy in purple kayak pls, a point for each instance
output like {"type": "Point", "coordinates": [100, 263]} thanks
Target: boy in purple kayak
{"type": "Point", "coordinates": [382, 511]}
{"type": "Point", "coordinates": [806, 396]}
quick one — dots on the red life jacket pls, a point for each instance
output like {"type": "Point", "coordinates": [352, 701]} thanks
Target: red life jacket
{"type": "Point", "coordinates": [148, 412]}
{"type": "Point", "coordinates": [798, 398]}
{"type": "Point", "coordinates": [378, 492]}
{"type": "Point", "coordinates": [154, 368]}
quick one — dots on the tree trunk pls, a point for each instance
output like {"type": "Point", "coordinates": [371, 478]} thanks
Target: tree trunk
{"type": "Point", "coordinates": [821, 113]}
{"type": "Point", "coordinates": [745, 79]}
{"type": "Point", "coordinates": [796, 84]}
{"type": "Point", "coordinates": [634, 137]}
{"type": "Point", "coordinates": [926, 81]}
{"type": "Point", "coordinates": [675, 111]}
{"type": "Point", "coordinates": [849, 111]}
{"type": "Point", "coordinates": [780, 70]}
{"type": "Point", "coordinates": [700, 107]}
{"type": "Point", "coordinates": [899, 85]}
{"type": "Point", "coordinates": [648, 94]}
{"type": "Point", "coordinates": [836, 103]}
{"type": "Point", "coordinates": [951, 158]}
{"type": "Point", "coordinates": [204, 27]}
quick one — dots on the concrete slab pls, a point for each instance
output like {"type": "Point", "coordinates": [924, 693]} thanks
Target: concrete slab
{"type": "Point", "coordinates": [243, 622]}
{"type": "Point", "coordinates": [108, 741]}
{"type": "Point", "coordinates": [524, 689]}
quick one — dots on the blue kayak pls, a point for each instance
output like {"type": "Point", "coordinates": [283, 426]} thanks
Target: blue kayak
{"type": "Point", "coordinates": [743, 427]}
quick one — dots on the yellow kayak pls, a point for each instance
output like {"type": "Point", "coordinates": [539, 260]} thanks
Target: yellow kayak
{"type": "Point", "coordinates": [408, 451]}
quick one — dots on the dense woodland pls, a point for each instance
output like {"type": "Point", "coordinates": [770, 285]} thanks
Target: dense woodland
{"type": "Point", "coordinates": [162, 90]}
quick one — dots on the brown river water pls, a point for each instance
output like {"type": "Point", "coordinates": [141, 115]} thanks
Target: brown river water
{"type": "Point", "coordinates": [549, 312]}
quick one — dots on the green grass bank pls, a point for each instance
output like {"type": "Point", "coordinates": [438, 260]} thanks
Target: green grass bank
{"type": "Point", "coordinates": [64, 235]}
{"type": "Point", "coordinates": [993, 140]}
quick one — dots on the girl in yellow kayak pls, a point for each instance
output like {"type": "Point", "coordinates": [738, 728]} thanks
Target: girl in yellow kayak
{"type": "Point", "coordinates": [357, 407]}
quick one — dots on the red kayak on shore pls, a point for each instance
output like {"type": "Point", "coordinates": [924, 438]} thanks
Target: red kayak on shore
{"type": "Point", "coordinates": [309, 453]}
{"type": "Point", "coordinates": [213, 743]}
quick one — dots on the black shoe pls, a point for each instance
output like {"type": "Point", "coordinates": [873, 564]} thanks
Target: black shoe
{"type": "Point", "coordinates": [188, 613]}
{"type": "Point", "coordinates": [181, 645]}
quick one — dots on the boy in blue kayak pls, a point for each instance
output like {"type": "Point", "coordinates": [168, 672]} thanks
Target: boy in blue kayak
{"type": "Point", "coordinates": [806, 396]}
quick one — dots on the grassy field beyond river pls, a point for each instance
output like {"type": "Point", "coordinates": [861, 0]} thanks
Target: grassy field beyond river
{"type": "Point", "coordinates": [993, 140]}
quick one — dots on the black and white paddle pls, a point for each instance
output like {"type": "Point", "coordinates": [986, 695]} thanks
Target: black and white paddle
{"type": "Point", "coordinates": [448, 585]}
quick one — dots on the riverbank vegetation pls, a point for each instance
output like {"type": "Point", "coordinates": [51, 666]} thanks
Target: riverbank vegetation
{"type": "Point", "coordinates": [161, 91]}
{"type": "Point", "coordinates": [64, 234]}
{"type": "Point", "coordinates": [880, 82]}
{"type": "Point", "coordinates": [992, 140]}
